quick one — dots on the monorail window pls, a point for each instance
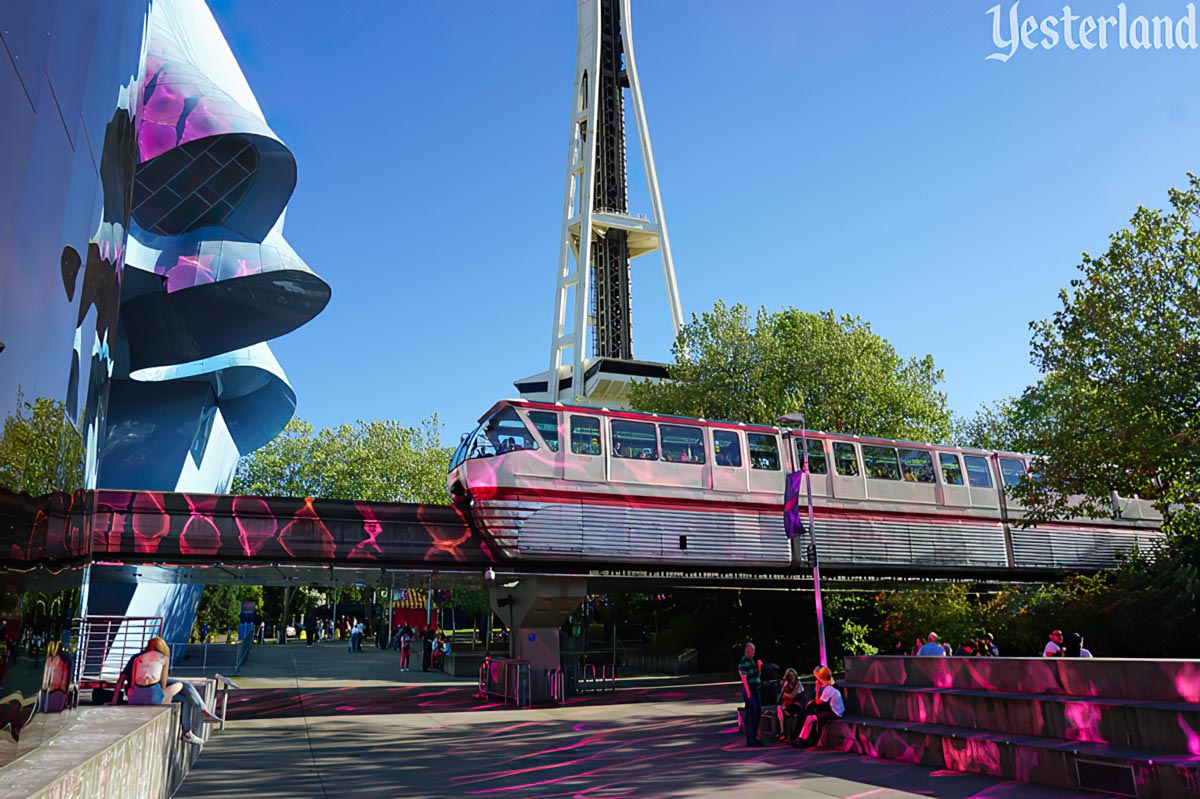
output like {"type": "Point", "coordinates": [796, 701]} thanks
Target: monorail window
{"type": "Point", "coordinates": [951, 469]}
{"type": "Point", "coordinates": [585, 435]}
{"type": "Point", "coordinates": [845, 460]}
{"type": "Point", "coordinates": [880, 463]}
{"type": "Point", "coordinates": [1012, 470]}
{"type": "Point", "coordinates": [727, 448]}
{"type": "Point", "coordinates": [816, 456]}
{"type": "Point", "coordinates": [978, 474]}
{"type": "Point", "coordinates": [764, 452]}
{"type": "Point", "coordinates": [546, 423]}
{"type": "Point", "coordinates": [500, 433]}
{"type": "Point", "coordinates": [681, 444]}
{"type": "Point", "coordinates": [635, 440]}
{"type": "Point", "coordinates": [917, 466]}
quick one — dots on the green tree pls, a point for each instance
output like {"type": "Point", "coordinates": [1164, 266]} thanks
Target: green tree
{"type": "Point", "coordinates": [221, 605]}
{"type": "Point", "coordinates": [911, 614]}
{"type": "Point", "coordinates": [40, 450]}
{"type": "Point", "coordinates": [1003, 425]}
{"type": "Point", "coordinates": [1118, 406]}
{"type": "Point", "coordinates": [840, 373]}
{"type": "Point", "coordinates": [380, 461]}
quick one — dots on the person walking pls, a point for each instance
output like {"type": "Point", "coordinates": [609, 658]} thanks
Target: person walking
{"type": "Point", "coordinates": [750, 673]}
{"type": "Point", "coordinates": [406, 636]}
{"type": "Point", "coordinates": [1053, 648]}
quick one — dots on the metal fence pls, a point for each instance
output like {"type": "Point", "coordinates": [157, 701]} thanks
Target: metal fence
{"type": "Point", "coordinates": [204, 658]}
{"type": "Point", "coordinates": [507, 680]}
{"type": "Point", "coordinates": [106, 643]}
{"type": "Point", "coordinates": [647, 661]}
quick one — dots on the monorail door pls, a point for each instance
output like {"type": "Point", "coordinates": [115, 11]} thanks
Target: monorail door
{"type": "Point", "coordinates": [584, 460]}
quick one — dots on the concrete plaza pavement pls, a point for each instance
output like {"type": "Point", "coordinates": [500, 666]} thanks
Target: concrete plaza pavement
{"type": "Point", "coordinates": [319, 722]}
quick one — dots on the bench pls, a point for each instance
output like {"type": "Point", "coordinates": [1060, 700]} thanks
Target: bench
{"type": "Point", "coordinates": [1129, 727]}
{"type": "Point", "coordinates": [1047, 761]}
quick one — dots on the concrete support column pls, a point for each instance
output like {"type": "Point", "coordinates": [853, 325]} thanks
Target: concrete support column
{"type": "Point", "coordinates": [534, 608]}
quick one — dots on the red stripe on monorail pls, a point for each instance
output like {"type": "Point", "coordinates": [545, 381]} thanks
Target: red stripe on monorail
{"type": "Point", "coordinates": [561, 497]}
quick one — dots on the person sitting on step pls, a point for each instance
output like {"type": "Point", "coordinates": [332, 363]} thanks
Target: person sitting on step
{"type": "Point", "coordinates": [826, 705]}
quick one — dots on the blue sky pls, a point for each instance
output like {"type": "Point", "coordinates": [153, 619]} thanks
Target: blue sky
{"type": "Point", "coordinates": [857, 155]}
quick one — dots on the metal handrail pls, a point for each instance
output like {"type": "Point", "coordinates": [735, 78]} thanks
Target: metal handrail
{"type": "Point", "coordinates": [554, 677]}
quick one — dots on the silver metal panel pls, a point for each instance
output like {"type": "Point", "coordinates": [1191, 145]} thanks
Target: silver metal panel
{"type": "Point", "coordinates": [879, 542]}
{"type": "Point", "coordinates": [1050, 547]}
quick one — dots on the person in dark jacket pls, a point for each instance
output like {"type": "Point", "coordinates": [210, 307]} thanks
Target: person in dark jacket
{"type": "Point", "coordinates": [427, 637]}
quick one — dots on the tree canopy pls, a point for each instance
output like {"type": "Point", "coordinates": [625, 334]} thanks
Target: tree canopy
{"type": "Point", "coordinates": [1002, 425]}
{"type": "Point", "coordinates": [835, 369]}
{"type": "Point", "coordinates": [221, 605]}
{"type": "Point", "coordinates": [1118, 406]}
{"type": "Point", "coordinates": [40, 450]}
{"type": "Point", "coordinates": [381, 461]}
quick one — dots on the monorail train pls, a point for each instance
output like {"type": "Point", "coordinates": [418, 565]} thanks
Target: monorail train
{"type": "Point", "coordinates": [555, 482]}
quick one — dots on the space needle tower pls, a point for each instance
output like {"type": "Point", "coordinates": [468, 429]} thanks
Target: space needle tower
{"type": "Point", "coordinates": [591, 337]}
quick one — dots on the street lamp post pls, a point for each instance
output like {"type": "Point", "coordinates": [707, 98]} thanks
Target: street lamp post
{"type": "Point", "coordinates": [813, 560]}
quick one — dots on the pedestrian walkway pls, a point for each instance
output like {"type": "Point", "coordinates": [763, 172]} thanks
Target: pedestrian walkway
{"type": "Point", "coordinates": [314, 723]}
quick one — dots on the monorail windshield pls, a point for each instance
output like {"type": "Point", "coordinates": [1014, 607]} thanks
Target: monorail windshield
{"type": "Point", "coordinates": [500, 433]}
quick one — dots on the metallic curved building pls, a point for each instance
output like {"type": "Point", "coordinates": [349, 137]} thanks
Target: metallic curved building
{"type": "Point", "coordinates": [143, 267]}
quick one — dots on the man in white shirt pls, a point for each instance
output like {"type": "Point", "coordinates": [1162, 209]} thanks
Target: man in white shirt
{"type": "Point", "coordinates": [932, 647]}
{"type": "Point", "coordinates": [1054, 645]}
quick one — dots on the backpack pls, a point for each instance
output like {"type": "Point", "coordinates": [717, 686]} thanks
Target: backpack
{"type": "Point", "coordinates": [147, 669]}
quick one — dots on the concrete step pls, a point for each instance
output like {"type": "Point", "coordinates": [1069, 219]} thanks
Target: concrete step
{"type": "Point", "coordinates": [1073, 765]}
{"type": "Point", "coordinates": [1148, 680]}
{"type": "Point", "coordinates": [1166, 727]}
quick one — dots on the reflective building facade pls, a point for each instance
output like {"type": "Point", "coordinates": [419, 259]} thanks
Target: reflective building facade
{"type": "Point", "coordinates": [142, 269]}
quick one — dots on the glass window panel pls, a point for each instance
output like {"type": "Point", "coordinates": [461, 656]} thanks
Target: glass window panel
{"type": "Point", "coordinates": [880, 462]}
{"type": "Point", "coordinates": [546, 423]}
{"type": "Point", "coordinates": [978, 473]}
{"type": "Point", "coordinates": [502, 432]}
{"type": "Point", "coordinates": [816, 456]}
{"type": "Point", "coordinates": [845, 460]}
{"type": "Point", "coordinates": [1012, 470]}
{"type": "Point", "coordinates": [728, 449]}
{"type": "Point", "coordinates": [585, 435]}
{"type": "Point", "coordinates": [682, 444]}
{"type": "Point", "coordinates": [951, 469]}
{"type": "Point", "coordinates": [764, 451]}
{"type": "Point", "coordinates": [916, 465]}
{"type": "Point", "coordinates": [636, 440]}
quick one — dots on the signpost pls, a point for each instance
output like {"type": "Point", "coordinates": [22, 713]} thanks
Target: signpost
{"type": "Point", "coordinates": [792, 521]}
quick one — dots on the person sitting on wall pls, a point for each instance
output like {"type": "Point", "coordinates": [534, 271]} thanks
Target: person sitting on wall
{"type": "Point", "coordinates": [1073, 648]}
{"type": "Point", "coordinates": [826, 705]}
{"type": "Point", "coordinates": [932, 648]}
{"type": "Point", "coordinates": [147, 673]}
{"type": "Point", "coordinates": [440, 650]}
{"type": "Point", "coordinates": [789, 701]}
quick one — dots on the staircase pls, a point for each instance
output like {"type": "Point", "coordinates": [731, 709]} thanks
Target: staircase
{"type": "Point", "coordinates": [1123, 727]}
